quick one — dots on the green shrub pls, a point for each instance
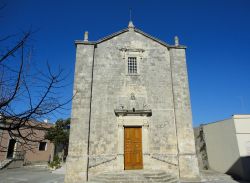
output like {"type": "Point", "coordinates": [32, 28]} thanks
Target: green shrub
{"type": "Point", "coordinates": [56, 163]}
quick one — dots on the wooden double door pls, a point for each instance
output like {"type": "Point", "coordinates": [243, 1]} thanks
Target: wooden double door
{"type": "Point", "coordinates": [133, 148]}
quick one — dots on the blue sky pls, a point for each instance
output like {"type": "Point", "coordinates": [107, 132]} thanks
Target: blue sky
{"type": "Point", "coordinates": [216, 32]}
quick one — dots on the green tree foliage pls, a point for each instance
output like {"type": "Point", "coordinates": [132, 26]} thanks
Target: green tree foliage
{"type": "Point", "coordinates": [59, 135]}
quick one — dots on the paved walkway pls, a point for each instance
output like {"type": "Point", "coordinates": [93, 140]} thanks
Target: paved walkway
{"type": "Point", "coordinates": [29, 175]}
{"type": "Point", "coordinates": [43, 175]}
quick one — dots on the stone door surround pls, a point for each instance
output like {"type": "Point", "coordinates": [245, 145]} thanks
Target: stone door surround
{"type": "Point", "coordinates": [131, 121]}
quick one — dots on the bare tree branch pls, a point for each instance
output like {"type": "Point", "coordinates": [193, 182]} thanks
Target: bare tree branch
{"type": "Point", "coordinates": [15, 47]}
{"type": "Point", "coordinates": [27, 95]}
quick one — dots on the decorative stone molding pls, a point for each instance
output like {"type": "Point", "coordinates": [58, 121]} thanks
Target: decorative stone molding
{"type": "Point", "coordinates": [120, 124]}
{"type": "Point", "coordinates": [126, 52]}
{"type": "Point", "coordinates": [145, 124]}
{"type": "Point", "coordinates": [124, 119]}
{"type": "Point", "coordinates": [132, 50]}
{"type": "Point", "coordinates": [126, 112]}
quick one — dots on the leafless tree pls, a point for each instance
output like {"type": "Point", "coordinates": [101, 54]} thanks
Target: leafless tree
{"type": "Point", "coordinates": [27, 94]}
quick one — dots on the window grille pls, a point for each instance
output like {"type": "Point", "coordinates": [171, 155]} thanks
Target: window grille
{"type": "Point", "coordinates": [132, 65]}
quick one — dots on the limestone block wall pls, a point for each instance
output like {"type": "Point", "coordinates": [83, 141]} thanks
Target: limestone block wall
{"type": "Point", "coordinates": [76, 166]}
{"type": "Point", "coordinates": [112, 87]}
{"type": "Point", "coordinates": [188, 164]}
{"type": "Point", "coordinates": [103, 84]}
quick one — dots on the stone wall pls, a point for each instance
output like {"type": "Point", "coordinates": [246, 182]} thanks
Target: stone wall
{"type": "Point", "coordinates": [201, 149]}
{"type": "Point", "coordinates": [77, 160]}
{"type": "Point", "coordinates": [103, 85]}
{"type": "Point", "coordinates": [112, 87]}
{"type": "Point", "coordinates": [188, 164]}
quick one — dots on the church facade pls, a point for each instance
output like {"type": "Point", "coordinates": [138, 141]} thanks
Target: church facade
{"type": "Point", "coordinates": [131, 109]}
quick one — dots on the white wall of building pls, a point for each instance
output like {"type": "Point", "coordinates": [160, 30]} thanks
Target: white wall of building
{"type": "Point", "coordinates": [221, 142]}
{"type": "Point", "coordinates": [228, 146]}
{"type": "Point", "coordinates": [242, 128]}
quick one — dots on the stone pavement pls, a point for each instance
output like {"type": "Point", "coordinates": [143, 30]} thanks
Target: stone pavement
{"type": "Point", "coordinates": [212, 176]}
{"type": "Point", "coordinates": [43, 175]}
{"type": "Point", "coordinates": [29, 175]}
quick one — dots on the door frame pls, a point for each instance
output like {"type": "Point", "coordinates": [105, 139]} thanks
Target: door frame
{"type": "Point", "coordinates": [131, 121]}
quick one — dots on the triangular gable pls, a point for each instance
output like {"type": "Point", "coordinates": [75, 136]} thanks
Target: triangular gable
{"type": "Point", "coordinates": [126, 30]}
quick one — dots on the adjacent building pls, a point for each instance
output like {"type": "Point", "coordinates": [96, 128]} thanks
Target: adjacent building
{"type": "Point", "coordinates": [224, 146]}
{"type": "Point", "coordinates": [12, 151]}
{"type": "Point", "coordinates": [132, 107]}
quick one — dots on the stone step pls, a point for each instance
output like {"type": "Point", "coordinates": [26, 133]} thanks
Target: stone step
{"type": "Point", "coordinates": [140, 176]}
{"type": "Point", "coordinates": [157, 176]}
{"type": "Point", "coordinates": [127, 181]}
{"type": "Point", "coordinates": [132, 181]}
{"type": "Point", "coordinates": [160, 179]}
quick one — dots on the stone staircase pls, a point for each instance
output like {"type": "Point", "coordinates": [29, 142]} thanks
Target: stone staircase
{"type": "Point", "coordinates": [5, 163]}
{"type": "Point", "coordinates": [134, 176]}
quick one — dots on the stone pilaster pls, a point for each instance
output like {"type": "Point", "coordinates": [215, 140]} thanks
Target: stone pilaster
{"type": "Point", "coordinates": [145, 137]}
{"type": "Point", "coordinates": [77, 160]}
{"type": "Point", "coordinates": [120, 155]}
{"type": "Point", "coordinates": [188, 165]}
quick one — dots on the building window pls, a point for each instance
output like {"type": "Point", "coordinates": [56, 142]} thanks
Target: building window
{"type": "Point", "coordinates": [11, 148]}
{"type": "Point", "coordinates": [42, 146]}
{"type": "Point", "coordinates": [132, 65]}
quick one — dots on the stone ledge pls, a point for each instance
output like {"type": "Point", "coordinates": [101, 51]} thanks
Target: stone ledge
{"type": "Point", "coordinates": [124, 112]}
